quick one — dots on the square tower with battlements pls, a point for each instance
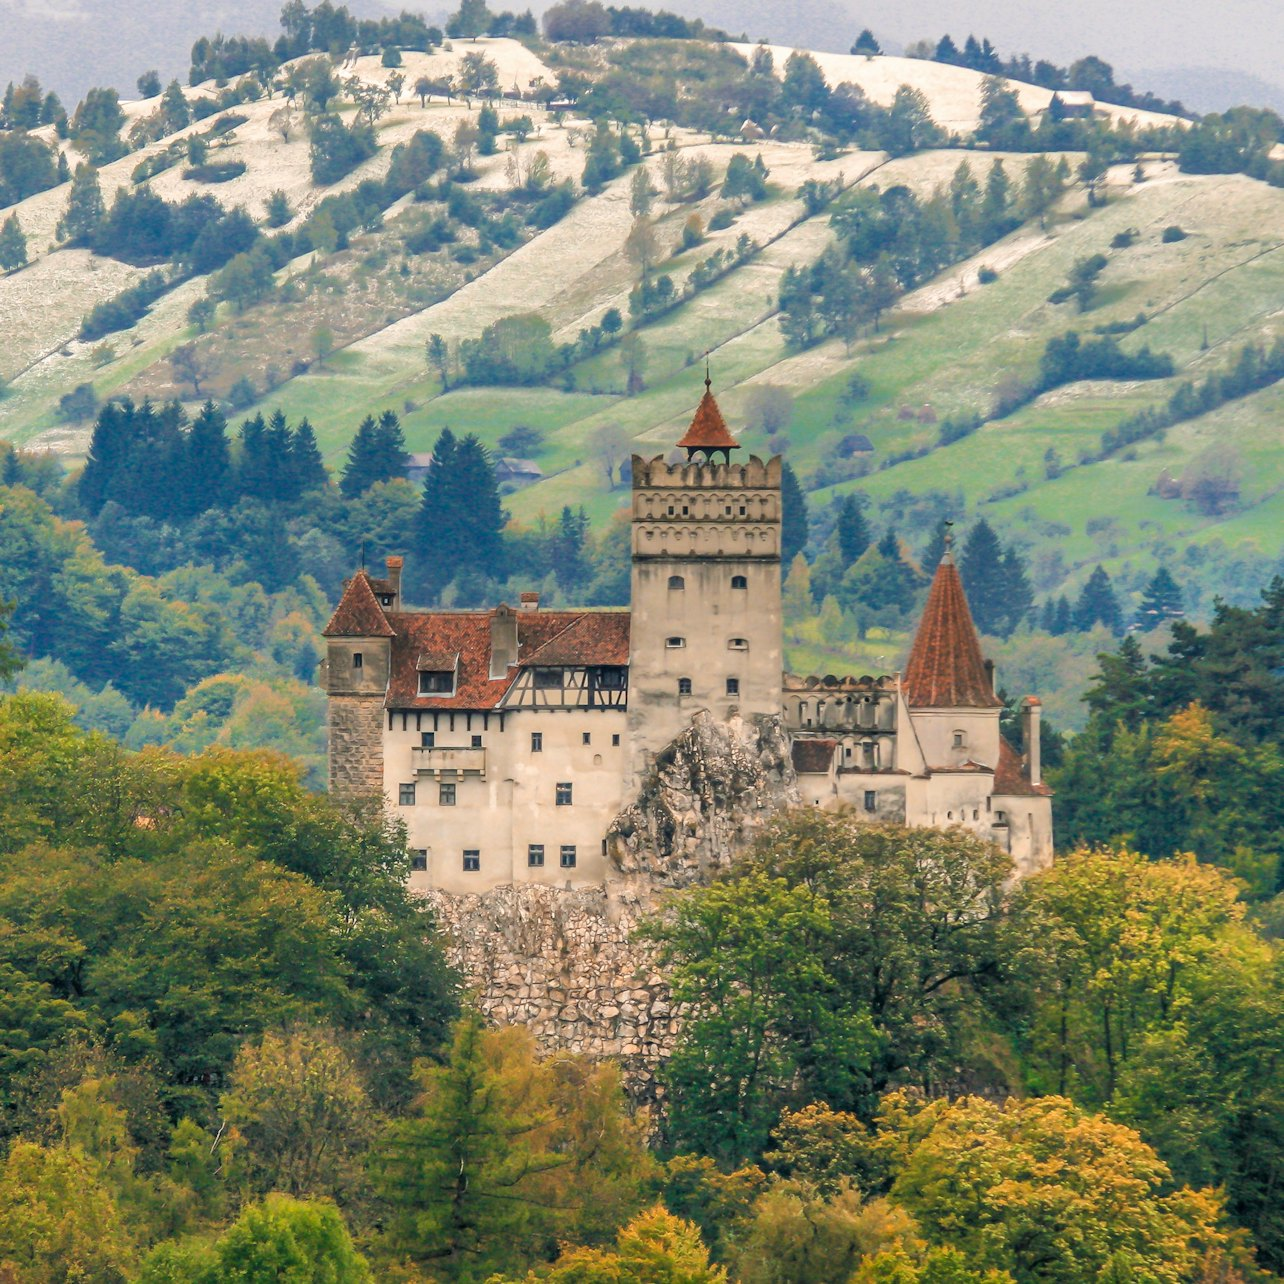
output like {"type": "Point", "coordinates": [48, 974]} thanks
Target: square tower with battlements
{"type": "Point", "coordinates": [706, 629]}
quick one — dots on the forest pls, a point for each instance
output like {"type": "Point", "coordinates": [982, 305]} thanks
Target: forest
{"type": "Point", "coordinates": [233, 1047]}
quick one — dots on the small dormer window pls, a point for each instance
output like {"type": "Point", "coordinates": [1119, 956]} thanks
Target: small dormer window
{"type": "Point", "coordinates": [677, 582]}
{"type": "Point", "coordinates": [739, 582]}
{"type": "Point", "coordinates": [385, 599]}
{"type": "Point", "coordinates": [436, 681]}
{"type": "Point", "coordinates": [358, 660]}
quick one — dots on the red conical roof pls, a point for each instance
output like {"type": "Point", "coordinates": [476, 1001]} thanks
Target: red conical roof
{"type": "Point", "coordinates": [358, 615]}
{"type": "Point", "coordinates": [708, 429]}
{"type": "Point", "coordinates": [946, 669]}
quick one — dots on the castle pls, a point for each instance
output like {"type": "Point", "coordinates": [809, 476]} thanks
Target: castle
{"type": "Point", "coordinates": [510, 739]}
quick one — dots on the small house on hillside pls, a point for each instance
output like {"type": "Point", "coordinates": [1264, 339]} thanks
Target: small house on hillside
{"type": "Point", "coordinates": [417, 466]}
{"type": "Point", "coordinates": [518, 472]}
{"type": "Point", "coordinates": [1071, 104]}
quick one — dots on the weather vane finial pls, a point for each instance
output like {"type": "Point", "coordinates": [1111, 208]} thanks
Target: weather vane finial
{"type": "Point", "coordinates": [949, 534]}
{"type": "Point", "coordinates": [708, 382]}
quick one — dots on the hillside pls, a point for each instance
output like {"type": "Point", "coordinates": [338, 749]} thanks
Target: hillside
{"type": "Point", "coordinates": [946, 349]}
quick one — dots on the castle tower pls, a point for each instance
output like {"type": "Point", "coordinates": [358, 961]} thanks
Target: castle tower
{"type": "Point", "coordinates": [705, 586]}
{"type": "Point", "coordinates": [355, 675]}
{"type": "Point", "coordinates": [948, 685]}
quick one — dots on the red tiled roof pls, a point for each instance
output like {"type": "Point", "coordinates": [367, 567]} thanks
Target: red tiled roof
{"type": "Point", "coordinates": [945, 669]}
{"type": "Point", "coordinates": [596, 637]}
{"type": "Point", "coordinates": [708, 429]}
{"type": "Point", "coordinates": [1011, 778]}
{"type": "Point", "coordinates": [358, 615]}
{"type": "Point", "coordinates": [813, 756]}
{"type": "Point", "coordinates": [590, 637]}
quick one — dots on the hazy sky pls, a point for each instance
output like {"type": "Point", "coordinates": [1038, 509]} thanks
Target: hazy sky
{"type": "Point", "coordinates": [78, 42]}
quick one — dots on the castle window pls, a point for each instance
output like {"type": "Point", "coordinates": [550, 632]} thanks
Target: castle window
{"type": "Point", "coordinates": [670, 510]}
{"type": "Point", "coordinates": [427, 739]}
{"type": "Point", "coordinates": [446, 794]}
{"type": "Point", "coordinates": [607, 679]}
{"type": "Point", "coordinates": [568, 856]}
{"type": "Point", "coordinates": [615, 740]}
{"type": "Point", "coordinates": [871, 800]}
{"type": "Point", "coordinates": [472, 861]}
{"type": "Point", "coordinates": [535, 854]}
{"type": "Point", "coordinates": [436, 682]}
{"type": "Point", "coordinates": [537, 742]}
{"type": "Point", "coordinates": [563, 793]}
{"type": "Point", "coordinates": [674, 643]}
{"type": "Point", "coordinates": [867, 753]}
{"type": "Point", "coordinates": [684, 686]}
{"type": "Point", "coordinates": [405, 795]}
{"type": "Point", "coordinates": [357, 659]}
{"type": "Point", "coordinates": [477, 742]}
{"type": "Point", "coordinates": [1000, 818]}
{"type": "Point", "coordinates": [739, 582]}
{"type": "Point", "coordinates": [677, 582]}
{"type": "Point", "coordinates": [733, 686]}
{"type": "Point", "coordinates": [419, 859]}
{"type": "Point", "coordinates": [960, 740]}
{"type": "Point", "coordinates": [548, 679]}
{"type": "Point", "coordinates": [738, 644]}
{"type": "Point", "coordinates": [743, 510]}
{"type": "Point", "coordinates": [586, 737]}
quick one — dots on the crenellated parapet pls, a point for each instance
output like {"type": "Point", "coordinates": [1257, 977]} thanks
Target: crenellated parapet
{"type": "Point", "coordinates": [700, 474]}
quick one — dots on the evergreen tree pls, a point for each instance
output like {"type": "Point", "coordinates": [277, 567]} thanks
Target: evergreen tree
{"type": "Point", "coordinates": [309, 468]}
{"type": "Point", "coordinates": [898, 591]}
{"type": "Point", "coordinates": [996, 219]}
{"type": "Point", "coordinates": [254, 479]}
{"type": "Point", "coordinates": [852, 529]}
{"type": "Point", "coordinates": [1161, 601]}
{"type": "Point", "coordinates": [359, 473]}
{"type": "Point", "coordinates": [1098, 604]}
{"type": "Point", "coordinates": [793, 516]}
{"type": "Point", "coordinates": [981, 569]}
{"type": "Point", "coordinates": [146, 483]}
{"type": "Point", "coordinates": [439, 523]}
{"type": "Point", "coordinates": [108, 447]}
{"type": "Point", "coordinates": [13, 245]}
{"type": "Point", "coordinates": [85, 209]}
{"type": "Point", "coordinates": [390, 457]}
{"type": "Point", "coordinates": [278, 458]}
{"type": "Point", "coordinates": [208, 460]}
{"type": "Point", "coordinates": [1064, 617]}
{"type": "Point", "coordinates": [568, 550]}
{"type": "Point", "coordinates": [867, 43]}
{"type": "Point", "coordinates": [1018, 596]}
{"type": "Point", "coordinates": [479, 498]}
{"type": "Point", "coordinates": [936, 546]}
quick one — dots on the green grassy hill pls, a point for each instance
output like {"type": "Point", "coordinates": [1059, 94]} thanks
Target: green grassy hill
{"type": "Point", "coordinates": [945, 350]}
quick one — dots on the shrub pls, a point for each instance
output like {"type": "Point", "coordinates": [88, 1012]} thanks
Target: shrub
{"type": "Point", "coordinates": [242, 394]}
{"type": "Point", "coordinates": [554, 207]}
{"type": "Point", "coordinates": [122, 311]}
{"type": "Point", "coordinates": [81, 403]}
{"type": "Point", "coordinates": [722, 219]}
{"type": "Point", "coordinates": [215, 171]}
{"type": "Point", "coordinates": [1122, 240]}
{"type": "Point", "coordinates": [986, 275]}
{"type": "Point", "coordinates": [1172, 233]}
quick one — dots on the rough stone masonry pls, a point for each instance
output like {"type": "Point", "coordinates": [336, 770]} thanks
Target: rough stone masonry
{"type": "Point", "coordinates": [568, 964]}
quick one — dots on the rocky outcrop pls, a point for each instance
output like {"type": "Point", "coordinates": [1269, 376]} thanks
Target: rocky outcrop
{"type": "Point", "coordinates": [569, 964]}
{"type": "Point", "coordinates": [706, 798]}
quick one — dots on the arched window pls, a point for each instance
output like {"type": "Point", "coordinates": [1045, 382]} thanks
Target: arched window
{"type": "Point", "coordinates": [684, 686]}
{"type": "Point", "coordinates": [674, 643]}
{"type": "Point", "coordinates": [737, 644]}
{"type": "Point", "coordinates": [677, 582]}
{"type": "Point", "coordinates": [739, 582]}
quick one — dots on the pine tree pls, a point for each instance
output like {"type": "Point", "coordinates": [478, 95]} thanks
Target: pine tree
{"type": "Point", "coordinates": [12, 473]}
{"type": "Point", "coordinates": [439, 522]}
{"type": "Point", "coordinates": [898, 591]}
{"type": "Point", "coordinates": [981, 570]}
{"type": "Point", "coordinates": [254, 478]}
{"type": "Point", "coordinates": [309, 468]}
{"type": "Point", "coordinates": [1018, 596]}
{"type": "Point", "coordinates": [852, 530]}
{"type": "Point", "coordinates": [867, 43]}
{"type": "Point", "coordinates": [479, 496]}
{"type": "Point", "coordinates": [208, 461]}
{"type": "Point", "coordinates": [1161, 601]}
{"type": "Point", "coordinates": [278, 458]}
{"type": "Point", "coordinates": [391, 459]}
{"type": "Point", "coordinates": [1098, 604]}
{"type": "Point", "coordinates": [85, 210]}
{"type": "Point", "coordinates": [13, 245]}
{"type": "Point", "coordinates": [108, 448]}
{"type": "Point", "coordinates": [1064, 618]}
{"type": "Point", "coordinates": [359, 471]}
{"type": "Point", "coordinates": [568, 559]}
{"type": "Point", "coordinates": [793, 516]}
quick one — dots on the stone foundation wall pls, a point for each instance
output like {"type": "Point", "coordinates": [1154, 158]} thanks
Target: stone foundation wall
{"type": "Point", "coordinates": [569, 964]}
{"type": "Point", "coordinates": [354, 725]}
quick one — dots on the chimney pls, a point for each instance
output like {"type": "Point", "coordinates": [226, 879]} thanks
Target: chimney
{"type": "Point", "coordinates": [989, 673]}
{"type": "Point", "coordinates": [1031, 712]}
{"type": "Point", "coordinates": [503, 641]}
{"type": "Point", "coordinates": [530, 602]}
{"type": "Point", "coordinates": [394, 565]}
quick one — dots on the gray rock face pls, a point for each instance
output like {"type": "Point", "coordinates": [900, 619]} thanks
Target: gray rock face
{"type": "Point", "coordinates": [569, 964]}
{"type": "Point", "coordinates": [706, 798]}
